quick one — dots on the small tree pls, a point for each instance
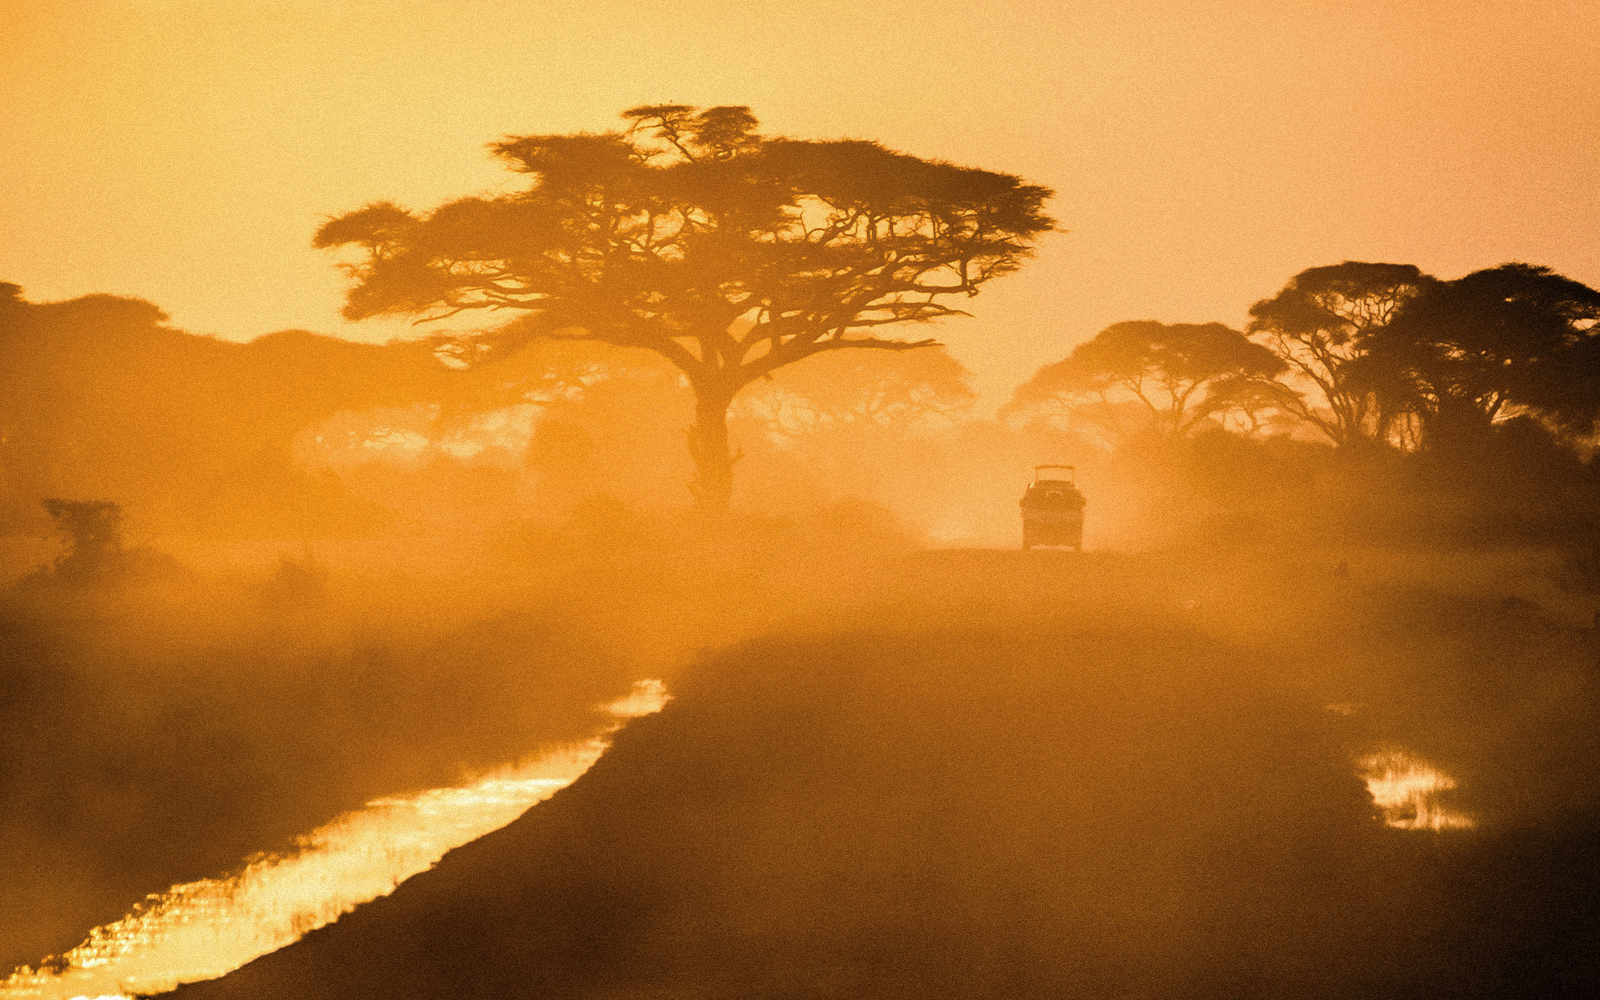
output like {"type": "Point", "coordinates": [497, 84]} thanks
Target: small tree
{"type": "Point", "coordinates": [1321, 322]}
{"type": "Point", "coordinates": [94, 539]}
{"type": "Point", "coordinates": [691, 235]}
{"type": "Point", "coordinates": [1172, 377]}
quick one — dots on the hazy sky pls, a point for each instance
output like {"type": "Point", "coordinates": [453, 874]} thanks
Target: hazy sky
{"type": "Point", "coordinates": [185, 150]}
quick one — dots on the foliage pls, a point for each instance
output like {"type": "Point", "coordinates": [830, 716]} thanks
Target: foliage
{"type": "Point", "coordinates": [100, 397]}
{"type": "Point", "coordinates": [615, 430]}
{"type": "Point", "coordinates": [691, 235]}
{"type": "Point", "coordinates": [1465, 354]}
{"type": "Point", "coordinates": [94, 538]}
{"type": "Point", "coordinates": [906, 392]}
{"type": "Point", "coordinates": [1319, 323]}
{"type": "Point", "coordinates": [1172, 378]}
{"type": "Point", "coordinates": [95, 555]}
{"type": "Point", "coordinates": [297, 583]}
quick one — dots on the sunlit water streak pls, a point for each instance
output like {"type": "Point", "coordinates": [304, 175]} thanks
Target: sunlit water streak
{"type": "Point", "coordinates": [202, 930]}
{"type": "Point", "coordinates": [1407, 790]}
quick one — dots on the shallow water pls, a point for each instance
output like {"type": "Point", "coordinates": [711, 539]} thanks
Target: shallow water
{"type": "Point", "coordinates": [205, 929]}
{"type": "Point", "coordinates": [1409, 791]}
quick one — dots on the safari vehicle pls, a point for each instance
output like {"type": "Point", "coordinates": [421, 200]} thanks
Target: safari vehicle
{"type": "Point", "coordinates": [1052, 508]}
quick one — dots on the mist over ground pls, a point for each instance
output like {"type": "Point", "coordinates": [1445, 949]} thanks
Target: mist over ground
{"type": "Point", "coordinates": [287, 577]}
{"type": "Point", "coordinates": [1070, 785]}
{"type": "Point", "coordinates": [384, 389]}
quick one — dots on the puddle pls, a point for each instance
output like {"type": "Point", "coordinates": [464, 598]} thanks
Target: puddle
{"type": "Point", "coordinates": [1408, 791]}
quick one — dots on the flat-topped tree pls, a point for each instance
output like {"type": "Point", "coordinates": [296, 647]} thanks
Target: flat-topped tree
{"type": "Point", "coordinates": [1174, 377]}
{"type": "Point", "coordinates": [691, 235]}
{"type": "Point", "coordinates": [1322, 324]}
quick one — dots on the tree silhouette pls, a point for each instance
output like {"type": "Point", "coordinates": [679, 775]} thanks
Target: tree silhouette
{"type": "Point", "coordinates": [691, 235]}
{"type": "Point", "coordinates": [1174, 376]}
{"type": "Point", "coordinates": [1464, 354]}
{"type": "Point", "coordinates": [1319, 323]}
{"type": "Point", "coordinates": [94, 539]}
{"type": "Point", "coordinates": [912, 392]}
{"type": "Point", "coordinates": [100, 397]}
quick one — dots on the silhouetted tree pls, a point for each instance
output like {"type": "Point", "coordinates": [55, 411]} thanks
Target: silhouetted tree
{"type": "Point", "coordinates": [100, 397]}
{"type": "Point", "coordinates": [1502, 341]}
{"type": "Point", "coordinates": [94, 539]}
{"type": "Point", "coordinates": [1319, 323]}
{"type": "Point", "coordinates": [839, 391]}
{"type": "Point", "coordinates": [609, 424]}
{"type": "Point", "coordinates": [1174, 376]}
{"type": "Point", "coordinates": [1255, 405]}
{"type": "Point", "coordinates": [691, 235]}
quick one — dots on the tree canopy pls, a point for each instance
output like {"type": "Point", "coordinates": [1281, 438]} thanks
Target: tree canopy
{"type": "Point", "coordinates": [1321, 322]}
{"type": "Point", "coordinates": [1512, 339]}
{"type": "Point", "coordinates": [1172, 376]}
{"type": "Point", "coordinates": [906, 392]}
{"type": "Point", "coordinates": [691, 235]}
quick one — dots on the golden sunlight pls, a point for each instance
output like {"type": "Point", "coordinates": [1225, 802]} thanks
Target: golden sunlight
{"type": "Point", "coordinates": [1407, 790]}
{"type": "Point", "coordinates": [202, 930]}
{"type": "Point", "coordinates": [1113, 489]}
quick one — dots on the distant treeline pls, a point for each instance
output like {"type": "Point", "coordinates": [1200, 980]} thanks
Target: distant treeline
{"type": "Point", "coordinates": [1459, 410]}
{"type": "Point", "coordinates": [1359, 354]}
{"type": "Point", "coordinates": [102, 400]}
{"type": "Point", "coordinates": [1363, 401]}
{"type": "Point", "coordinates": [300, 434]}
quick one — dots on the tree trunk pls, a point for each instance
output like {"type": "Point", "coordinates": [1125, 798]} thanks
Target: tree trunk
{"type": "Point", "coordinates": [708, 443]}
{"type": "Point", "coordinates": [1457, 424]}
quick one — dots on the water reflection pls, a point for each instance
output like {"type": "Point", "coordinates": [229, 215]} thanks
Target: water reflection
{"type": "Point", "coordinates": [206, 929]}
{"type": "Point", "coordinates": [1408, 792]}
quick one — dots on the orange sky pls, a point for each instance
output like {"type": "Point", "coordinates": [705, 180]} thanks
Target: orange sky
{"type": "Point", "coordinates": [185, 150]}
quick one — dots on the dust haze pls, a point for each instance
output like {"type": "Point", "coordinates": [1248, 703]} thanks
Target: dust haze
{"type": "Point", "coordinates": [252, 587]}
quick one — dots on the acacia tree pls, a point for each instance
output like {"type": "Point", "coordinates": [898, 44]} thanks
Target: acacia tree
{"type": "Point", "coordinates": [1499, 342]}
{"type": "Point", "coordinates": [1322, 321]}
{"type": "Point", "coordinates": [914, 391]}
{"type": "Point", "coordinates": [1175, 376]}
{"type": "Point", "coordinates": [691, 235]}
